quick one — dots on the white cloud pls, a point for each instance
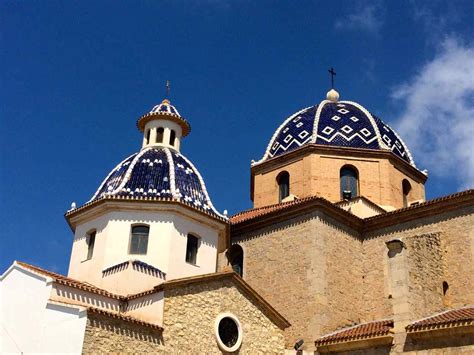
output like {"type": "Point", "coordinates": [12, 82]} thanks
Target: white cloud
{"type": "Point", "coordinates": [437, 121]}
{"type": "Point", "coordinates": [367, 18]}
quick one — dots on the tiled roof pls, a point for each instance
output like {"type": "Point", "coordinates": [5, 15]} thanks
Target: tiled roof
{"type": "Point", "coordinates": [265, 210]}
{"type": "Point", "coordinates": [408, 213]}
{"type": "Point", "coordinates": [157, 173]}
{"type": "Point", "coordinates": [67, 281]}
{"type": "Point", "coordinates": [453, 317]}
{"type": "Point", "coordinates": [358, 332]}
{"type": "Point", "coordinates": [110, 314]}
{"type": "Point", "coordinates": [423, 204]}
{"type": "Point", "coordinates": [342, 124]}
{"type": "Point", "coordinates": [123, 317]}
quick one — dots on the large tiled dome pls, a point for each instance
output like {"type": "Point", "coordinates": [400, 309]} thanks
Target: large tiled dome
{"type": "Point", "coordinates": [336, 123]}
{"type": "Point", "coordinates": [159, 173]}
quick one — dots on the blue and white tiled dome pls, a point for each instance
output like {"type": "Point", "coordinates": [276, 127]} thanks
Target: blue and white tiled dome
{"type": "Point", "coordinates": [158, 173]}
{"type": "Point", "coordinates": [165, 107]}
{"type": "Point", "coordinates": [166, 111]}
{"type": "Point", "coordinates": [336, 123]}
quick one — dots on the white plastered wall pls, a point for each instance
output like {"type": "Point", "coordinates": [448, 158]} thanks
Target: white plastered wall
{"type": "Point", "coordinates": [167, 126]}
{"type": "Point", "coordinates": [166, 247]}
{"type": "Point", "coordinates": [29, 323]}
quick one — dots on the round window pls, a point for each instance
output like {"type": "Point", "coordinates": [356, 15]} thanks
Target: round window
{"type": "Point", "coordinates": [228, 332]}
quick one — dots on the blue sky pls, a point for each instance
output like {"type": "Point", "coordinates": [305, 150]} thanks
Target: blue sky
{"type": "Point", "coordinates": [77, 74]}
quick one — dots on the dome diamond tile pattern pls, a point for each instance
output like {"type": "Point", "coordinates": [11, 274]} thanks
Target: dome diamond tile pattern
{"type": "Point", "coordinates": [161, 173]}
{"type": "Point", "coordinates": [341, 124]}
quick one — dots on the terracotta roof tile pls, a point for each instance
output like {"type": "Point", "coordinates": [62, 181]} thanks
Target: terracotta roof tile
{"type": "Point", "coordinates": [63, 280]}
{"type": "Point", "coordinates": [261, 211]}
{"type": "Point", "coordinates": [110, 314]}
{"type": "Point", "coordinates": [422, 204]}
{"type": "Point", "coordinates": [357, 332]}
{"type": "Point", "coordinates": [123, 317]}
{"type": "Point", "coordinates": [453, 317]}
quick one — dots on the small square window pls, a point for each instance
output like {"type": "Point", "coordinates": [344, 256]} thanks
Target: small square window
{"type": "Point", "coordinates": [139, 240]}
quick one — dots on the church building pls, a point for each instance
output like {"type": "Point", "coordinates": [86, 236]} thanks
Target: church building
{"type": "Point", "coordinates": [341, 252]}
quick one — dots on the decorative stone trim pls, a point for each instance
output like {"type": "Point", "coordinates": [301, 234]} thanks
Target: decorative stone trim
{"type": "Point", "coordinates": [221, 345]}
{"type": "Point", "coordinates": [316, 120]}
{"type": "Point", "coordinates": [137, 265]}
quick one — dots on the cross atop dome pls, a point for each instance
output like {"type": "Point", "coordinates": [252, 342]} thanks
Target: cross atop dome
{"type": "Point", "coordinates": [332, 94]}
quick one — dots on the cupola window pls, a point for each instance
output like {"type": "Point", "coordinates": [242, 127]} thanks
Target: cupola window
{"type": "Point", "coordinates": [235, 256]}
{"type": "Point", "coordinates": [90, 244]}
{"type": "Point", "coordinates": [139, 240]}
{"type": "Point", "coordinates": [283, 181]}
{"type": "Point", "coordinates": [159, 135]}
{"type": "Point", "coordinates": [172, 137]}
{"type": "Point", "coordinates": [192, 249]}
{"type": "Point", "coordinates": [147, 136]}
{"type": "Point", "coordinates": [406, 187]}
{"type": "Point", "coordinates": [349, 182]}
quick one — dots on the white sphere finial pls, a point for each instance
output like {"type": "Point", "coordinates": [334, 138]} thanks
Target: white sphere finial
{"type": "Point", "coordinates": [332, 95]}
{"type": "Point", "coordinates": [225, 213]}
{"type": "Point", "coordinates": [73, 206]}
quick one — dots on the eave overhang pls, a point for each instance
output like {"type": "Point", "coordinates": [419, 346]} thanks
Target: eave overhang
{"type": "Point", "coordinates": [288, 210]}
{"type": "Point", "coordinates": [184, 124]}
{"type": "Point", "coordinates": [126, 203]}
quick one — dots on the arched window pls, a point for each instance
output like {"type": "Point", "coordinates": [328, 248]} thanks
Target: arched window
{"type": "Point", "coordinates": [406, 187]}
{"type": "Point", "coordinates": [159, 135]}
{"type": "Point", "coordinates": [283, 181]}
{"type": "Point", "coordinates": [147, 136]}
{"type": "Point", "coordinates": [192, 246]}
{"type": "Point", "coordinates": [90, 244]}
{"type": "Point", "coordinates": [349, 182]}
{"type": "Point", "coordinates": [235, 256]}
{"type": "Point", "coordinates": [139, 240]}
{"type": "Point", "coordinates": [172, 137]}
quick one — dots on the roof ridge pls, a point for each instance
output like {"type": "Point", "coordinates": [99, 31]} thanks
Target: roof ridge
{"type": "Point", "coordinates": [68, 281]}
{"type": "Point", "coordinates": [422, 204]}
{"type": "Point", "coordinates": [441, 313]}
{"type": "Point", "coordinates": [355, 326]}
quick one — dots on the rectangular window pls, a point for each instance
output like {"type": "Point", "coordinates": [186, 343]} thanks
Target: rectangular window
{"type": "Point", "coordinates": [90, 245]}
{"type": "Point", "coordinates": [191, 249]}
{"type": "Point", "coordinates": [139, 240]}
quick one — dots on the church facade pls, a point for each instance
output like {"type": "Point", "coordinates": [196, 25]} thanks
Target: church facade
{"type": "Point", "coordinates": [341, 252]}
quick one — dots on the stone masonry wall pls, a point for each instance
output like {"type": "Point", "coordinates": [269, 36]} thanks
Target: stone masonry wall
{"type": "Point", "coordinates": [190, 313]}
{"type": "Point", "coordinates": [309, 269]}
{"type": "Point", "coordinates": [439, 248]}
{"type": "Point", "coordinates": [109, 335]}
{"type": "Point", "coordinates": [425, 272]}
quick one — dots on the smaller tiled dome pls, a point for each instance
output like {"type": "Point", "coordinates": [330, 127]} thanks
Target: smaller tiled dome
{"type": "Point", "coordinates": [165, 107]}
{"type": "Point", "coordinates": [159, 173]}
{"type": "Point", "coordinates": [166, 111]}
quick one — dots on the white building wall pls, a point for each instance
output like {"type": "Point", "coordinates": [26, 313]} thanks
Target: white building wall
{"type": "Point", "coordinates": [29, 324]}
{"type": "Point", "coordinates": [166, 245]}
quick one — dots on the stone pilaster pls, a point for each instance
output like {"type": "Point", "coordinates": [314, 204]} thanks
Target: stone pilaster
{"type": "Point", "coordinates": [399, 286]}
